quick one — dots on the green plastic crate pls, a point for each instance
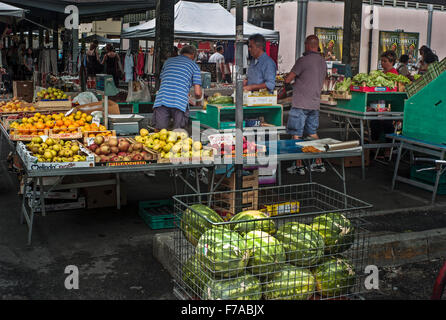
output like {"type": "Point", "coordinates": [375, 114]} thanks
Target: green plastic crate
{"type": "Point", "coordinates": [360, 100]}
{"type": "Point", "coordinates": [425, 113]}
{"type": "Point", "coordinates": [158, 214]}
{"type": "Point", "coordinates": [429, 178]}
{"type": "Point", "coordinates": [415, 86]}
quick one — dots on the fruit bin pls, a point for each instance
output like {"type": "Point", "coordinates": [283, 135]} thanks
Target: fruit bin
{"type": "Point", "coordinates": [157, 214]}
{"type": "Point", "coordinates": [316, 251]}
{"type": "Point", "coordinates": [55, 134]}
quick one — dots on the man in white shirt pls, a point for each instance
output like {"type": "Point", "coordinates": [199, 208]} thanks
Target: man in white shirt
{"type": "Point", "coordinates": [219, 61]}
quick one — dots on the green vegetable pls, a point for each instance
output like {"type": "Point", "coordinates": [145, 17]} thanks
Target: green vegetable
{"type": "Point", "coordinates": [377, 78]}
{"type": "Point", "coordinates": [344, 85]}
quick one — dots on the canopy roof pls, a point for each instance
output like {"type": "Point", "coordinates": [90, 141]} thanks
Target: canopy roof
{"type": "Point", "coordinates": [207, 21]}
{"type": "Point", "coordinates": [11, 11]}
{"type": "Point", "coordinates": [100, 39]}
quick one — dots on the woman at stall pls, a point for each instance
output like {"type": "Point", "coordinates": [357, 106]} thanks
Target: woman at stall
{"type": "Point", "coordinates": [28, 62]}
{"type": "Point", "coordinates": [427, 57]}
{"type": "Point", "coordinates": [380, 127]}
{"type": "Point", "coordinates": [93, 61]}
{"type": "Point", "coordinates": [112, 64]}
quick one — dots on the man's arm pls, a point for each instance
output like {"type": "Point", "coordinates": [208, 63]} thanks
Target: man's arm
{"type": "Point", "coordinates": [197, 91]}
{"type": "Point", "coordinates": [290, 77]}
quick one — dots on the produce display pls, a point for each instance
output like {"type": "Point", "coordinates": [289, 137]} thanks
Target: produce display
{"type": "Point", "coordinates": [334, 277]}
{"type": "Point", "coordinates": [229, 149]}
{"type": "Point", "coordinates": [291, 283]}
{"type": "Point", "coordinates": [343, 85]}
{"type": "Point", "coordinates": [303, 245]}
{"type": "Point", "coordinates": [57, 122]}
{"type": "Point", "coordinates": [378, 78]}
{"type": "Point", "coordinates": [244, 224]}
{"type": "Point", "coordinates": [266, 253]}
{"type": "Point", "coordinates": [172, 144]}
{"type": "Point", "coordinates": [51, 94]}
{"type": "Point", "coordinates": [222, 252]}
{"type": "Point", "coordinates": [193, 225]}
{"type": "Point", "coordinates": [16, 105]}
{"type": "Point", "coordinates": [115, 149]}
{"type": "Point", "coordinates": [217, 98]}
{"type": "Point", "coordinates": [52, 150]}
{"type": "Point", "coordinates": [336, 230]}
{"type": "Point", "coordinates": [246, 287]}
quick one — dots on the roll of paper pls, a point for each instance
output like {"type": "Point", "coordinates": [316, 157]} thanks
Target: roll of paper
{"type": "Point", "coordinates": [342, 145]}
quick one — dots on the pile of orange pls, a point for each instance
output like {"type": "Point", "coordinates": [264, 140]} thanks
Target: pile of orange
{"type": "Point", "coordinates": [16, 105]}
{"type": "Point", "coordinates": [58, 122]}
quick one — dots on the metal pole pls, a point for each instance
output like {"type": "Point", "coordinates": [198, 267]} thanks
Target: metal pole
{"type": "Point", "coordinates": [239, 103]}
{"type": "Point", "coordinates": [430, 9]}
{"type": "Point", "coordinates": [301, 26]}
{"type": "Point", "coordinates": [229, 5]}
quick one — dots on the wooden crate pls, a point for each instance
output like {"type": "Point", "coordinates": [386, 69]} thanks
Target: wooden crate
{"type": "Point", "coordinates": [23, 90]}
{"type": "Point", "coordinates": [24, 136]}
{"type": "Point", "coordinates": [226, 202]}
{"type": "Point", "coordinates": [66, 135]}
{"type": "Point", "coordinates": [54, 105]}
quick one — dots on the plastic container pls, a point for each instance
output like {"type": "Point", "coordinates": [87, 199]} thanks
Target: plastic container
{"type": "Point", "coordinates": [157, 214]}
{"type": "Point", "coordinates": [205, 80]}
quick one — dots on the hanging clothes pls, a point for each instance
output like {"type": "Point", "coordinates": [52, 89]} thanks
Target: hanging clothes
{"type": "Point", "coordinates": [229, 53]}
{"type": "Point", "coordinates": [140, 63]}
{"type": "Point", "coordinates": [128, 66]}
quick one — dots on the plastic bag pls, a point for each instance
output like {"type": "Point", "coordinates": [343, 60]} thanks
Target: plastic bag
{"type": "Point", "coordinates": [138, 92]}
{"type": "Point", "coordinates": [85, 98]}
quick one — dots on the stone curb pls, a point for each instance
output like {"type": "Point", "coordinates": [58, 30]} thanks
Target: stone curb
{"type": "Point", "coordinates": [385, 250]}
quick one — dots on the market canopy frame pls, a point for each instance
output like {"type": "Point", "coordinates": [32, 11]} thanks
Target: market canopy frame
{"type": "Point", "coordinates": [199, 21]}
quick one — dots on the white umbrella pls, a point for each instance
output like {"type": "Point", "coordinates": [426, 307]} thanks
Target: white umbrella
{"type": "Point", "coordinates": [8, 13]}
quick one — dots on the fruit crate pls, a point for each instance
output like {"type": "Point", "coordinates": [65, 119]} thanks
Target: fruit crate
{"type": "Point", "coordinates": [54, 104]}
{"type": "Point", "coordinates": [88, 139]}
{"type": "Point", "coordinates": [25, 136]}
{"type": "Point", "coordinates": [157, 214]}
{"type": "Point", "coordinates": [316, 252]}
{"type": "Point", "coordinates": [55, 134]}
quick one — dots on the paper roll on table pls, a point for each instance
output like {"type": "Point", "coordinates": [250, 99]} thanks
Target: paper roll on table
{"type": "Point", "coordinates": [342, 145]}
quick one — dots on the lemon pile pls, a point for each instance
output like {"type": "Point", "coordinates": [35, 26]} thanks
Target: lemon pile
{"type": "Point", "coordinates": [171, 144]}
{"type": "Point", "coordinates": [52, 94]}
{"type": "Point", "coordinates": [54, 150]}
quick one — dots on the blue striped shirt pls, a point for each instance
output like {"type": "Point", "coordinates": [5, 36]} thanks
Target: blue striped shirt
{"type": "Point", "coordinates": [178, 75]}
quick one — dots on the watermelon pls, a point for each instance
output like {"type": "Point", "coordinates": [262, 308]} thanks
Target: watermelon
{"type": "Point", "coordinates": [303, 245]}
{"type": "Point", "coordinates": [243, 225]}
{"type": "Point", "coordinates": [246, 287]}
{"type": "Point", "coordinates": [266, 252]}
{"type": "Point", "coordinates": [194, 225]}
{"type": "Point", "coordinates": [334, 277]}
{"type": "Point", "coordinates": [291, 283]}
{"type": "Point", "coordinates": [194, 276]}
{"type": "Point", "coordinates": [222, 252]}
{"type": "Point", "coordinates": [336, 230]}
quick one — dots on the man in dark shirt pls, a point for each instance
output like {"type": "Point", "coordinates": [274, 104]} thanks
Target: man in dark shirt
{"type": "Point", "coordinates": [308, 74]}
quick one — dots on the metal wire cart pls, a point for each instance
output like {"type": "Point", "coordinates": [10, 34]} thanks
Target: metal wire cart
{"type": "Point", "coordinates": [303, 241]}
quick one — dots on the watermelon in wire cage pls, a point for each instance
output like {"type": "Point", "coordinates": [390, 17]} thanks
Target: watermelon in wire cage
{"type": "Point", "coordinates": [316, 252]}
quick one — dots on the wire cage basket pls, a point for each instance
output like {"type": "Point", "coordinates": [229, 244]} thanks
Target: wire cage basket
{"type": "Point", "coordinates": [302, 241]}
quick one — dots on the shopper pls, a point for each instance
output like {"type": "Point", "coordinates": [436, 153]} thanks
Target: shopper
{"type": "Point", "coordinates": [262, 69]}
{"type": "Point", "coordinates": [178, 75]}
{"type": "Point", "coordinates": [219, 59]}
{"type": "Point", "coordinates": [382, 127]}
{"type": "Point", "coordinates": [308, 74]}
{"type": "Point", "coordinates": [28, 61]}
{"type": "Point", "coordinates": [427, 57]}
{"type": "Point", "coordinates": [93, 61]}
{"type": "Point", "coordinates": [403, 69]}
{"type": "Point", "coordinates": [112, 63]}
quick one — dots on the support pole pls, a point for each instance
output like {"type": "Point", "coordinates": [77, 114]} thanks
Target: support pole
{"type": "Point", "coordinates": [30, 37]}
{"type": "Point", "coordinates": [352, 34]}
{"type": "Point", "coordinates": [430, 9]}
{"type": "Point", "coordinates": [301, 27]}
{"type": "Point", "coordinates": [55, 36]}
{"type": "Point", "coordinates": [164, 35]}
{"type": "Point", "coordinates": [239, 104]}
{"type": "Point", "coordinates": [75, 54]}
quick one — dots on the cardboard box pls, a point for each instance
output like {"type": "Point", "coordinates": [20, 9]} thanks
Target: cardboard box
{"type": "Point", "coordinates": [252, 100]}
{"type": "Point", "coordinates": [31, 162]}
{"type": "Point", "coordinates": [113, 107]}
{"type": "Point", "coordinates": [65, 205]}
{"type": "Point", "coordinates": [23, 90]}
{"type": "Point", "coordinates": [350, 162]}
{"type": "Point", "coordinates": [104, 196]}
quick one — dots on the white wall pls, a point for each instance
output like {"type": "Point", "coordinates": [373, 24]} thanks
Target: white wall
{"type": "Point", "coordinates": [285, 21]}
{"type": "Point", "coordinates": [438, 43]}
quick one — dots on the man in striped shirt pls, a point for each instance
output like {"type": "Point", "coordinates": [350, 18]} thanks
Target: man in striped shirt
{"type": "Point", "coordinates": [178, 75]}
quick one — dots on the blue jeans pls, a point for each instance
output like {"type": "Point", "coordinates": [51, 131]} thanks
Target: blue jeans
{"type": "Point", "coordinates": [302, 121]}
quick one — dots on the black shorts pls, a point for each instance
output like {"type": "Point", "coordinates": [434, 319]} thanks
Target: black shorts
{"type": "Point", "coordinates": [163, 114]}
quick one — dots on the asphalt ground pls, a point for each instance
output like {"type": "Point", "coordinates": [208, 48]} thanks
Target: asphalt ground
{"type": "Point", "coordinates": [112, 249]}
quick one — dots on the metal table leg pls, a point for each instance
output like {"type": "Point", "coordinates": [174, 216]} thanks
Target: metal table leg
{"type": "Point", "coordinates": [437, 180]}
{"type": "Point", "coordinates": [397, 164]}
{"type": "Point", "coordinates": [42, 197]}
{"type": "Point", "coordinates": [362, 153]}
{"type": "Point", "coordinates": [118, 192]}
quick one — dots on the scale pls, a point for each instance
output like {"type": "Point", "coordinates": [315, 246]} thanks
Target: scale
{"type": "Point", "coordinates": [125, 124]}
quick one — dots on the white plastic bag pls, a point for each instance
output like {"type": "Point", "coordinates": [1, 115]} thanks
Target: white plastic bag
{"type": "Point", "coordinates": [85, 98]}
{"type": "Point", "coordinates": [138, 92]}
